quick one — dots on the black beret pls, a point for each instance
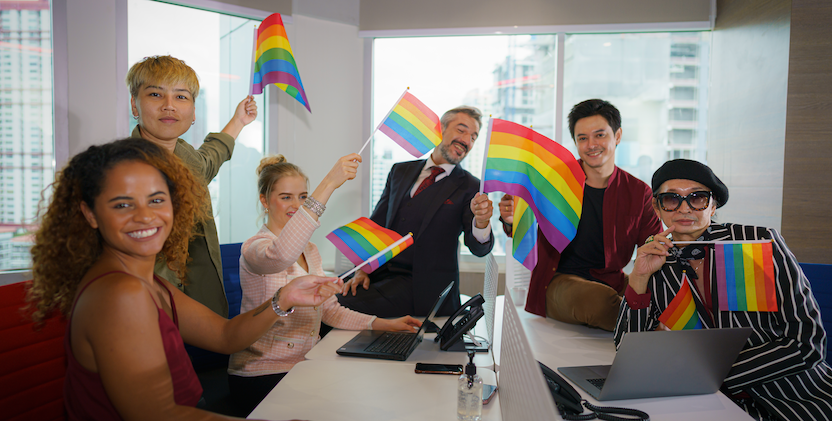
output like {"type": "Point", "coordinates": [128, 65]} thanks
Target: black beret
{"type": "Point", "coordinates": [686, 169]}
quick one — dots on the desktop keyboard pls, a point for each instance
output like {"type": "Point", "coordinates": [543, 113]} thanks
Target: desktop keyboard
{"type": "Point", "coordinates": [392, 343]}
{"type": "Point", "coordinates": [599, 383]}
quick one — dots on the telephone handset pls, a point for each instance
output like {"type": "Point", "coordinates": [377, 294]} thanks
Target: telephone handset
{"type": "Point", "coordinates": [568, 402]}
{"type": "Point", "coordinates": [567, 399]}
{"type": "Point", "coordinates": [451, 332]}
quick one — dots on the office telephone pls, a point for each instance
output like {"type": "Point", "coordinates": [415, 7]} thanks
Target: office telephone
{"type": "Point", "coordinates": [452, 332]}
{"type": "Point", "coordinates": [568, 402]}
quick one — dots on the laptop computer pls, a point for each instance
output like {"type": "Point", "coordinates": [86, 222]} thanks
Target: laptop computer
{"type": "Point", "coordinates": [656, 364]}
{"type": "Point", "coordinates": [390, 345]}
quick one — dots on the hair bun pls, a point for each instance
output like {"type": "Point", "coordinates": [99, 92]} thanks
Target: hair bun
{"type": "Point", "coordinates": [270, 160]}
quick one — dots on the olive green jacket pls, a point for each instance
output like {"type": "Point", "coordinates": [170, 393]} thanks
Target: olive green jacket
{"type": "Point", "coordinates": [204, 278]}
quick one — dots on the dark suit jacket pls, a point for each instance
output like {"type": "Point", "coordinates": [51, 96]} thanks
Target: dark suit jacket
{"type": "Point", "coordinates": [435, 261]}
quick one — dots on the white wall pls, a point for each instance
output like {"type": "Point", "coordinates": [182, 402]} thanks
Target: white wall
{"type": "Point", "coordinates": [330, 59]}
{"type": "Point", "coordinates": [96, 92]}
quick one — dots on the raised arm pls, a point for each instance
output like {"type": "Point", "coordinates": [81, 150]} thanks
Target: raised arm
{"type": "Point", "coordinates": [266, 253]}
{"type": "Point", "coordinates": [245, 113]}
{"type": "Point", "coordinates": [346, 168]}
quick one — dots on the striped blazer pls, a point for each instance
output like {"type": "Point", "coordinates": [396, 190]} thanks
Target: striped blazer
{"type": "Point", "coordinates": [782, 366]}
{"type": "Point", "coordinates": [268, 262]}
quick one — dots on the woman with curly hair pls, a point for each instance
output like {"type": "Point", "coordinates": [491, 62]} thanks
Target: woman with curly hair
{"type": "Point", "coordinates": [280, 252]}
{"type": "Point", "coordinates": [116, 209]}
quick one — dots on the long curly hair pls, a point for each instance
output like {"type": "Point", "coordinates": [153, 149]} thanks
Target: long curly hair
{"type": "Point", "coordinates": [66, 246]}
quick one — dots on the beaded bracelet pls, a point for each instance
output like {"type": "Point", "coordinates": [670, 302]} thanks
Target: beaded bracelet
{"type": "Point", "coordinates": [315, 206]}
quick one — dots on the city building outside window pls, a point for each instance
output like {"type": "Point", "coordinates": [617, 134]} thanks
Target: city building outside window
{"type": "Point", "coordinates": [26, 126]}
{"type": "Point", "coordinates": [657, 80]}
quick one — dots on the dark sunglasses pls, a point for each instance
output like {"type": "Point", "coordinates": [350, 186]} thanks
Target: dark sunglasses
{"type": "Point", "coordinates": [671, 202]}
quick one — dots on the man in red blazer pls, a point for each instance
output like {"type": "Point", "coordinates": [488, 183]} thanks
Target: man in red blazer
{"type": "Point", "coordinates": [584, 284]}
{"type": "Point", "coordinates": [436, 200]}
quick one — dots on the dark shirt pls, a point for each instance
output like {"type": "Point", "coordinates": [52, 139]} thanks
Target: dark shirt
{"type": "Point", "coordinates": [586, 251]}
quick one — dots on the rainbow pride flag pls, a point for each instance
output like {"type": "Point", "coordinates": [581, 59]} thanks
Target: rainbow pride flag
{"type": "Point", "coordinates": [745, 277]}
{"type": "Point", "coordinates": [681, 313]}
{"type": "Point", "coordinates": [412, 125]}
{"type": "Point", "coordinates": [361, 239]}
{"type": "Point", "coordinates": [524, 234]}
{"type": "Point", "coordinates": [522, 162]}
{"type": "Point", "coordinates": [274, 61]}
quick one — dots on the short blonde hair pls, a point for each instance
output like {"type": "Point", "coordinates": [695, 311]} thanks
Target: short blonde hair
{"type": "Point", "coordinates": [162, 70]}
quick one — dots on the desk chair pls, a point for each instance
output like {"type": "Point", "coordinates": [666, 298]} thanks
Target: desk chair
{"type": "Point", "coordinates": [820, 277]}
{"type": "Point", "coordinates": [230, 254]}
{"type": "Point", "coordinates": [211, 367]}
{"type": "Point", "coordinates": [33, 361]}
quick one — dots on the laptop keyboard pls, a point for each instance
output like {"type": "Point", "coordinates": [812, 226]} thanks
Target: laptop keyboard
{"type": "Point", "coordinates": [599, 383]}
{"type": "Point", "coordinates": [391, 343]}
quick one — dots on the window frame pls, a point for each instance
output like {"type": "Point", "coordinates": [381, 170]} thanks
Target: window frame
{"type": "Point", "coordinates": [471, 263]}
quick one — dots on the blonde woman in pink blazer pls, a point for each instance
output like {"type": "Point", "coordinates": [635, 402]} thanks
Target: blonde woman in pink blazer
{"type": "Point", "coordinates": [278, 253]}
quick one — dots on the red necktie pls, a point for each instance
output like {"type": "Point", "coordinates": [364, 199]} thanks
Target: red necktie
{"type": "Point", "coordinates": [434, 171]}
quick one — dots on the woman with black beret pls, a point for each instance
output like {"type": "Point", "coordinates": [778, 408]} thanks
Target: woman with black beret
{"type": "Point", "coordinates": [781, 373]}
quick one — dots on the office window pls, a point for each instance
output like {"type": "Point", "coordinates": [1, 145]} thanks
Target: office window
{"type": "Point", "coordinates": [654, 79]}
{"type": "Point", "coordinates": [26, 134]}
{"type": "Point", "coordinates": [509, 77]}
{"type": "Point", "coordinates": [219, 49]}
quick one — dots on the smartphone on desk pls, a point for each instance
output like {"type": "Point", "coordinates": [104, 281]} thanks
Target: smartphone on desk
{"type": "Point", "coordinates": [488, 393]}
{"type": "Point", "coordinates": [439, 368]}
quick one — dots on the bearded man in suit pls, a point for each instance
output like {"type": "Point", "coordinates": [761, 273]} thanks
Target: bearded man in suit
{"type": "Point", "coordinates": [436, 200]}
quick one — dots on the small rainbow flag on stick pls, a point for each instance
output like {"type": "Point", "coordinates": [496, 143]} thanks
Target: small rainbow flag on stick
{"type": "Point", "coordinates": [412, 125]}
{"type": "Point", "coordinates": [745, 277]}
{"type": "Point", "coordinates": [274, 62]}
{"type": "Point", "coordinates": [681, 312]}
{"type": "Point", "coordinates": [524, 234]}
{"type": "Point", "coordinates": [367, 244]}
{"type": "Point", "coordinates": [522, 162]}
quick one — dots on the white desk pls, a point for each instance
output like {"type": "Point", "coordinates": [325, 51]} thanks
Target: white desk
{"type": "Point", "coordinates": [331, 387]}
{"type": "Point", "coordinates": [351, 390]}
{"type": "Point", "coordinates": [558, 344]}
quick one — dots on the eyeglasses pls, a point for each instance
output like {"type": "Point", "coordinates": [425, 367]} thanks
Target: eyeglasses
{"type": "Point", "coordinates": [671, 202]}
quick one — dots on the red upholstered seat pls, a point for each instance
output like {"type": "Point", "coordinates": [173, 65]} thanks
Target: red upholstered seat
{"type": "Point", "coordinates": [32, 362]}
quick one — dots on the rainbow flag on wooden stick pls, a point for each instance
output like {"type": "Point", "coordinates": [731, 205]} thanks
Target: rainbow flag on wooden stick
{"type": "Point", "coordinates": [681, 312]}
{"type": "Point", "coordinates": [412, 125]}
{"type": "Point", "coordinates": [522, 162]}
{"type": "Point", "coordinates": [745, 277]}
{"type": "Point", "coordinates": [362, 239]}
{"type": "Point", "coordinates": [524, 234]}
{"type": "Point", "coordinates": [274, 61]}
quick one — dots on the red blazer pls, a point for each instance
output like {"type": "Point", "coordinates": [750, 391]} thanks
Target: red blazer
{"type": "Point", "coordinates": [628, 220]}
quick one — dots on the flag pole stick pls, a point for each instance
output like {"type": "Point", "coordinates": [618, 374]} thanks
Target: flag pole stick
{"type": "Point", "coordinates": [377, 255]}
{"type": "Point", "coordinates": [485, 156]}
{"type": "Point", "coordinates": [723, 242]}
{"type": "Point", "coordinates": [253, 56]}
{"type": "Point", "coordinates": [382, 121]}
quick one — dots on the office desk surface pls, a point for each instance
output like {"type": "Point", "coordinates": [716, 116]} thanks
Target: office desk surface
{"type": "Point", "coordinates": [558, 344]}
{"type": "Point", "coordinates": [331, 387]}
{"type": "Point", "coordinates": [349, 390]}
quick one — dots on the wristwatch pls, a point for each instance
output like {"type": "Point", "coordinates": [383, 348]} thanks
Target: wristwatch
{"type": "Point", "coordinates": [280, 312]}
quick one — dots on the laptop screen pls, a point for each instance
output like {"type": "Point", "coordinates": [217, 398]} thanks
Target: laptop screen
{"type": "Point", "coordinates": [436, 305]}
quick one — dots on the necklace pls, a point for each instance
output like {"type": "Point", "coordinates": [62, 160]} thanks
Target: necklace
{"type": "Point", "coordinates": [699, 265]}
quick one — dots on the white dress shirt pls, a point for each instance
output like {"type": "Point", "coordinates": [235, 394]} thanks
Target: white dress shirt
{"type": "Point", "coordinates": [481, 234]}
